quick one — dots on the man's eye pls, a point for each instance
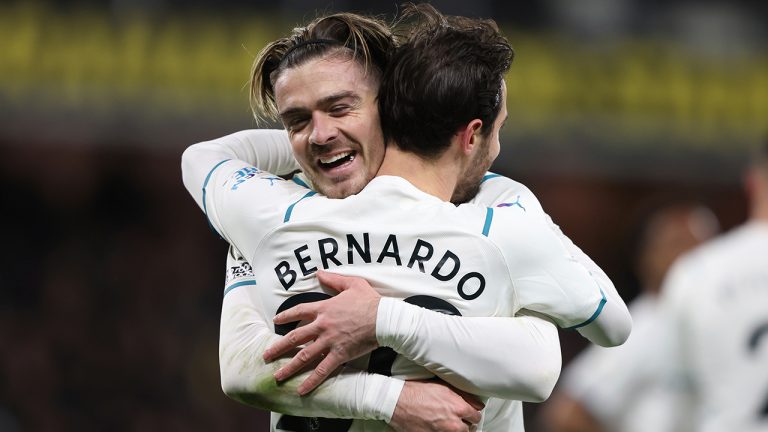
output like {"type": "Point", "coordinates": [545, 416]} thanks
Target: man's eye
{"type": "Point", "coordinates": [339, 109]}
{"type": "Point", "coordinates": [296, 124]}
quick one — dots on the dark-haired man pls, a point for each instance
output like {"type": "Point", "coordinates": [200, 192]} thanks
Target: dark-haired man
{"type": "Point", "coordinates": [320, 123]}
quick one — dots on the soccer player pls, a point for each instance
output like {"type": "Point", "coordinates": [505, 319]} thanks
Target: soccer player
{"type": "Point", "coordinates": [619, 389]}
{"type": "Point", "coordinates": [246, 174]}
{"type": "Point", "coordinates": [715, 306]}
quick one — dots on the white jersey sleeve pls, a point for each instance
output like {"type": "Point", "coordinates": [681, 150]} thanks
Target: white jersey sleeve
{"type": "Point", "coordinates": [612, 323]}
{"type": "Point", "coordinates": [245, 334]}
{"type": "Point", "coordinates": [510, 358]}
{"type": "Point", "coordinates": [266, 149]}
{"type": "Point", "coordinates": [242, 203]}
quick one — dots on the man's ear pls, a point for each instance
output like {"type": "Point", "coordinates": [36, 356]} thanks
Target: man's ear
{"type": "Point", "coordinates": [470, 136]}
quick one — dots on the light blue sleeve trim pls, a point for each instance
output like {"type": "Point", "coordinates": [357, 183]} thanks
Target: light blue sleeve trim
{"type": "Point", "coordinates": [238, 284]}
{"type": "Point", "coordinates": [290, 208]}
{"type": "Point", "coordinates": [488, 219]}
{"type": "Point", "coordinates": [205, 208]}
{"type": "Point", "coordinates": [594, 315]}
{"type": "Point", "coordinates": [488, 177]}
{"type": "Point", "coordinates": [300, 182]}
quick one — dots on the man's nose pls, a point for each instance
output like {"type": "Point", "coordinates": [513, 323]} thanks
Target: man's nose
{"type": "Point", "coordinates": [324, 129]}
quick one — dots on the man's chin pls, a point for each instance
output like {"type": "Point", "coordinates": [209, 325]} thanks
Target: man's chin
{"type": "Point", "coordinates": [340, 189]}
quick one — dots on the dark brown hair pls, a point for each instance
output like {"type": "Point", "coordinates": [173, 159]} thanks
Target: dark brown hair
{"type": "Point", "coordinates": [447, 72]}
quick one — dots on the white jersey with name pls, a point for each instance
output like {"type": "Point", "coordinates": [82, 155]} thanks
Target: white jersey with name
{"type": "Point", "coordinates": [467, 260]}
{"type": "Point", "coordinates": [715, 306]}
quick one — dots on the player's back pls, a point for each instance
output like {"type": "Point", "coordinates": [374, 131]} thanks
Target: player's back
{"type": "Point", "coordinates": [404, 242]}
{"type": "Point", "coordinates": [407, 244]}
{"type": "Point", "coordinates": [724, 329]}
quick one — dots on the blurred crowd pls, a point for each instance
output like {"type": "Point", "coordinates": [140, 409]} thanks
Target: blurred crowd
{"type": "Point", "coordinates": [110, 297]}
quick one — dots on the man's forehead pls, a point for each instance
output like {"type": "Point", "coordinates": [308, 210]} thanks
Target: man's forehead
{"type": "Point", "coordinates": [318, 80]}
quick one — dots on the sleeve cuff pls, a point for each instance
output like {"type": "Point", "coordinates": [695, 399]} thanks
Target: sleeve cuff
{"type": "Point", "coordinates": [381, 395]}
{"type": "Point", "coordinates": [394, 322]}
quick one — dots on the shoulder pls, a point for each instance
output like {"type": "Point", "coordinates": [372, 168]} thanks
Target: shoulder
{"type": "Point", "coordinates": [500, 191]}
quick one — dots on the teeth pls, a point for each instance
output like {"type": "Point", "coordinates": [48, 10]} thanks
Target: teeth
{"type": "Point", "coordinates": [336, 157]}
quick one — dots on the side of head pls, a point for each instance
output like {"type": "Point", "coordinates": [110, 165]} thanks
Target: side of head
{"type": "Point", "coordinates": [447, 72]}
{"type": "Point", "coordinates": [322, 82]}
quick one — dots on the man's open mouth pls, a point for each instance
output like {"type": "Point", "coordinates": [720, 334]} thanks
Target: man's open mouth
{"type": "Point", "coordinates": [337, 160]}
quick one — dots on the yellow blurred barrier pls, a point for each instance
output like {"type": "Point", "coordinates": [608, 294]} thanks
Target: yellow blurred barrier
{"type": "Point", "coordinates": [195, 62]}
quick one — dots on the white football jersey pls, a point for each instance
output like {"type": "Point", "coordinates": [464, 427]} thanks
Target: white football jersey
{"type": "Point", "coordinates": [467, 260]}
{"type": "Point", "coordinates": [715, 302]}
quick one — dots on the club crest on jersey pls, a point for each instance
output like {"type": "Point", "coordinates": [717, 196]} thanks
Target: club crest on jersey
{"type": "Point", "coordinates": [511, 204]}
{"type": "Point", "coordinates": [241, 175]}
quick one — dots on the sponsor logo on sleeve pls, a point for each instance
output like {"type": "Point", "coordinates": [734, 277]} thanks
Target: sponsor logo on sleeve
{"type": "Point", "coordinates": [242, 175]}
{"type": "Point", "coordinates": [512, 204]}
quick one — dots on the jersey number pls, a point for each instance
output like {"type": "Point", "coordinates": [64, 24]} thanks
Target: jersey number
{"type": "Point", "coordinates": [380, 362]}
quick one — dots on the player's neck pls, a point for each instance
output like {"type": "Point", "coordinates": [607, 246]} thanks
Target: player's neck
{"type": "Point", "coordinates": [437, 178]}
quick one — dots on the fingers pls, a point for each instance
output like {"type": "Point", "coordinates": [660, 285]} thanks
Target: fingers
{"type": "Point", "coordinates": [470, 399]}
{"type": "Point", "coordinates": [293, 339]}
{"type": "Point", "coordinates": [304, 311]}
{"type": "Point", "coordinates": [335, 281]}
{"type": "Point", "coordinates": [473, 417]}
{"type": "Point", "coordinates": [307, 356]}
{"type": "Point", "coordinates": [322, 371]}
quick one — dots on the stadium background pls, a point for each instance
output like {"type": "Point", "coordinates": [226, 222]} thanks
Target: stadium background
{"type": "Point", "coordinates": [111, 281]}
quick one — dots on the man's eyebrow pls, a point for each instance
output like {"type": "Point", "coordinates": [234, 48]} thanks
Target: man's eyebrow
{"type": "Point", "coordinates": [328, 100]}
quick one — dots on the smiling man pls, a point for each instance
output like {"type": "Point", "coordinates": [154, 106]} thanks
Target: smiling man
{"type": "Point", "coordinates": [332, 153]}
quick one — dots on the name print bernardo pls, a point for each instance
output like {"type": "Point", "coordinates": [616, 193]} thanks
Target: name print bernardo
{"type": "Point", "coordinates": [329, 251]}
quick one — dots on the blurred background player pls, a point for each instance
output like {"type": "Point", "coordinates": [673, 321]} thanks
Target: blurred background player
{"type": "Point", "coordinates": [617, 389]}
{"type": "Point", "coordinates": [715, 314]}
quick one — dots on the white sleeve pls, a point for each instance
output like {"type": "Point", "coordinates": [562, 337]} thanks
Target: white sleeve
{"type": "Point", "coordinates": [546, 279]}
{"type": "Point", "coordinates": [510, 358]}
{"type": "Point", "coordinates": [245, 334]}
{"type": "Point", "coordinates": [242, 203]}
{"type": "Point", "coordinates": [610, 326]}
{"type": "Point", "coordinates": [267, 149]}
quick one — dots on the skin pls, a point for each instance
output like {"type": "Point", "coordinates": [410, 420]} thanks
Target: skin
{"type": "Point", "coordinates": [469, 183]}
{"type": "Point", "coordinates": [327, 117]}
